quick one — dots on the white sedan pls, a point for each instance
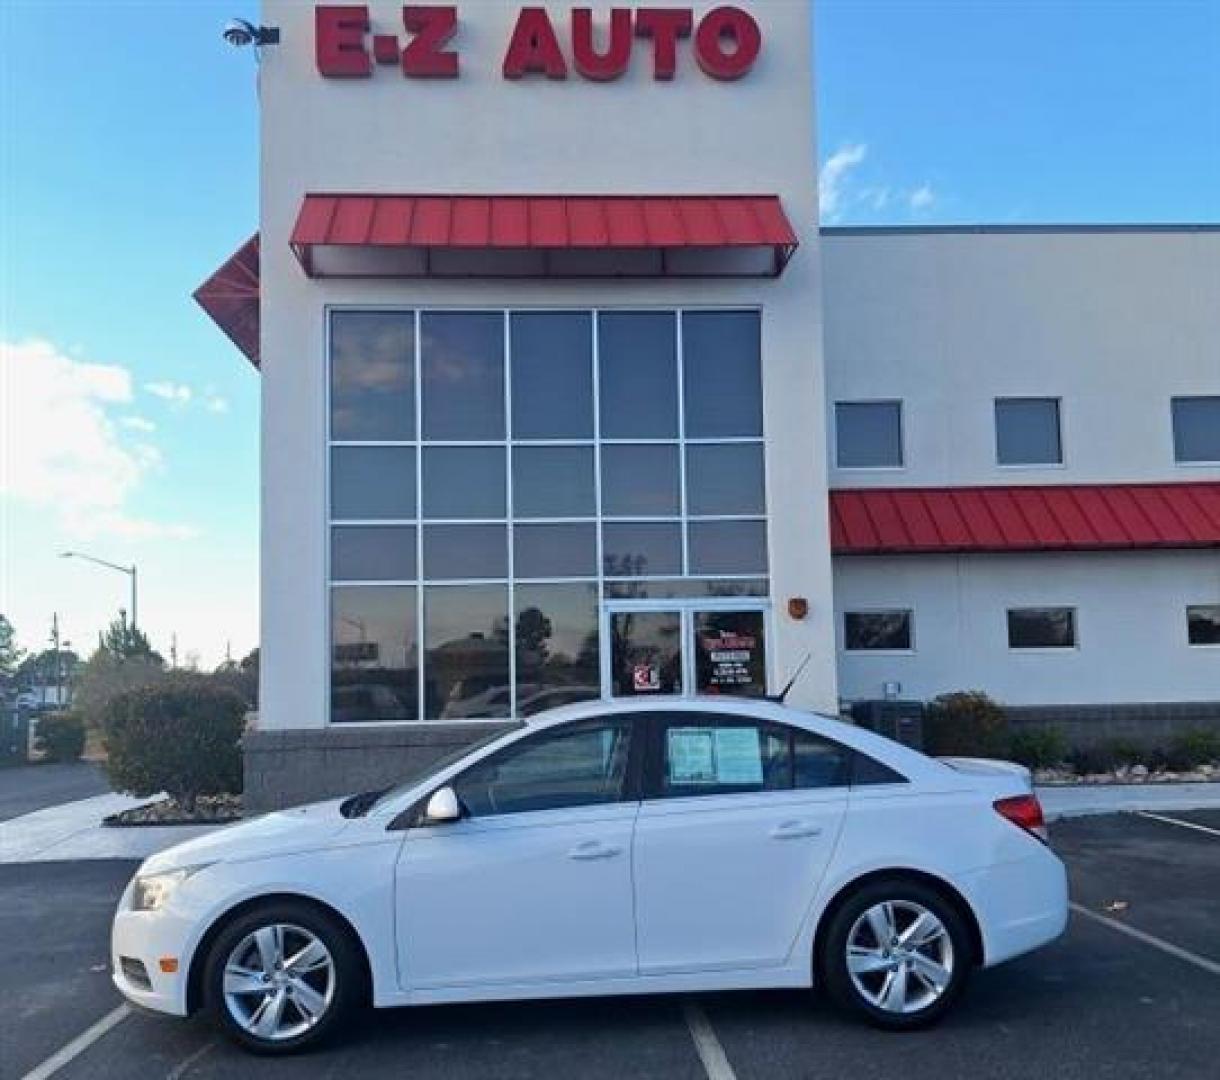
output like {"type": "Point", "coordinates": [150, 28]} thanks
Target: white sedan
{"type": "Point", "coordinates": [606, 848]}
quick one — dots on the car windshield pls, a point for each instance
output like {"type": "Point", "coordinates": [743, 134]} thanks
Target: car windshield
{"type": "Point", "coordinates": [421, 773]}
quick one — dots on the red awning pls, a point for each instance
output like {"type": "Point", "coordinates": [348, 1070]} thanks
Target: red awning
{"type": "Point", "coordinates": [543, 236]}
{"type": "Point", "coordinates": [1101, 517]}
{"type": "Point", "coordinates": [230, 297]}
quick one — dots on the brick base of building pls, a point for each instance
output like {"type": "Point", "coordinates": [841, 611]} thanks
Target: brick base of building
{"type": "Point", "coordinates": [1149, 723]}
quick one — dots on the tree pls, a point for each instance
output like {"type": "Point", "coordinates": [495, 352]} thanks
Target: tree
{"type": "Point", "coordinates": [240, 676]}
{"type": "Point", "coordinates": [48, 668]}
{"type": "Point", "coordinates": [10, 654]}
{"type": "Point", "coordinates": [126, 641]}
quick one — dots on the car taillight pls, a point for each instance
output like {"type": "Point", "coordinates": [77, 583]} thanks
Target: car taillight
{"type": "Point", "coordinates": [1025, 812]}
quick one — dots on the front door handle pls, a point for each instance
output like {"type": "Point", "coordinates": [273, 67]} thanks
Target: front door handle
{"type": "Point", "coordinates": [594, 849]}
{"type": "Point", "coordinates": [795, 830]}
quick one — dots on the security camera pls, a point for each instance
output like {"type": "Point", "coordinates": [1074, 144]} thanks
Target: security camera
{"type": "Point", "coordinates": [239, 34]}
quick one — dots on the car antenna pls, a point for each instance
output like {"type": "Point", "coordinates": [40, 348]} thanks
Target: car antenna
{"type": "Point", "coordinates": [782, 696]}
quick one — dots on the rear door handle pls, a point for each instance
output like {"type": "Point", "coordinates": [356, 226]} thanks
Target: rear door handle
{"type": "Point", "coordinates": [795, 830]}
{"type": "Point", "coordinates": [594, 849]}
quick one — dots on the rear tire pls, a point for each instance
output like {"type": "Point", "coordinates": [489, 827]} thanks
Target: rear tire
{"type": "Point", "coordinates": [283, 977]}
{"type": "Point", "coordinates": [896, 953]}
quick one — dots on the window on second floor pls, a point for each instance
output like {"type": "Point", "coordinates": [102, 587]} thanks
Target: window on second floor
{"type": "Point", "coordinates": [1042, 628]}
{"type": "Point", "coordinates": [1027, 431]}
{"type": "Point", "coordinates": [1203, 624]}
{"type": "Point", "coordinates": [1196, 429]}
{"type": "Point", "coordinates": [878, 631]}
{"type": "Point", "coordinates": [868, 434]}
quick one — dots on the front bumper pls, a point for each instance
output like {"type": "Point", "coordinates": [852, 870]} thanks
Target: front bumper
{"type": "Point", "coordinates": [148, 937]}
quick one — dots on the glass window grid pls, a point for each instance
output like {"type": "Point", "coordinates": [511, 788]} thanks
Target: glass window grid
{"type": "Point", "coordinates": [419, 442]}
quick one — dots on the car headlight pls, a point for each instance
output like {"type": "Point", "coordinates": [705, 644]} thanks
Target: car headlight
{"type": "Point", "coordinates": [151, 891]}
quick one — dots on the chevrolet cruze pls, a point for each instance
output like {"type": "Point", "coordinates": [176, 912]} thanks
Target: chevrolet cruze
{"type": "Point", "coordinates": [606, 848]}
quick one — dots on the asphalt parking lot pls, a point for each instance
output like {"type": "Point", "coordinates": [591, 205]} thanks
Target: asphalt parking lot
{"type": "Point", "coordinates": [1098, 1003]}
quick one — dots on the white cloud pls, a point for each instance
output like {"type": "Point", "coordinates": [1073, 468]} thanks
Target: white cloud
{"type": "Point", "coordinates": [60, 448]}
{"type": "Point", "coordinates": [138, 423]}
{"type": "Point", "coordinates": [178, 394]}
{"type": "Point", "coordinates": [834, 178]}
{"type": "Point", "coordinates": [214, 403]}
{"type": "Point", "coordinates": [922, 197]}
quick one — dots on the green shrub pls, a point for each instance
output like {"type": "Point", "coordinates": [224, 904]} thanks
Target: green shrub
{"type": "Point", "coordinates": [61, 736]}
{"type": "Point", "coordinates": [181, 736]}
{"type": "Point", "coordinates": [1190, 749]}
{"type": "Point", "coordinates": [1038, 748]}
{"type": "Point", "coordinates": [1128, 752]}
{"type": "Point", "coordinates": [966, 724]}
{"type": "Point", "coordinates": [1099, 758]}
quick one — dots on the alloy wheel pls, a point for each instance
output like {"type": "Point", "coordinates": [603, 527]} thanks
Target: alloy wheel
{"type": "Point", "coordinates": [279, 981]}
{"type": "Point", "coordinates": [900, 956]}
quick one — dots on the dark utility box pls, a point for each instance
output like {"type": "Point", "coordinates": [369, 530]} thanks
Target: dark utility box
{"type": "Point", "coordinates": [901, 721]}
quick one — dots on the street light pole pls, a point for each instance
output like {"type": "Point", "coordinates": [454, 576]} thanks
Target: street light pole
{"type": "Point", "coordinates": [130, 571]}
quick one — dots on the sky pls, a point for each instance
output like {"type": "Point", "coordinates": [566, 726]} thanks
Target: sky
{"type": "Point", "coordinates": [128, 173]}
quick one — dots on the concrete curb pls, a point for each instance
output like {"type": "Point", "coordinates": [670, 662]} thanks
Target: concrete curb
{"type": "Point", "coordinates": [1087, 799]}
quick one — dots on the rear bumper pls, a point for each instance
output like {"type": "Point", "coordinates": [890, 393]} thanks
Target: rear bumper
{"type": "Point", "coordinates": [1021, 905]}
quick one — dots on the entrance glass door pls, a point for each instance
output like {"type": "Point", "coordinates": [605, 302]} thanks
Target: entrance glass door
{"type": "Point", "coordinates": [676, 648]}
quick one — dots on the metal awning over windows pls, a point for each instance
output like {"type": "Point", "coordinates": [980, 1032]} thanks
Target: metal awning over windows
{"type": "Point", "coordinates": [543, 236]}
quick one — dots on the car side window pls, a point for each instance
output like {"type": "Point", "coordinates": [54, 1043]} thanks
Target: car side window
{"type": "Point", "coordinates": [706, 754]}
{"type": "Point", "coordinates": [866, 770]}
{"type": "Point", "coordinates": [581, 764]}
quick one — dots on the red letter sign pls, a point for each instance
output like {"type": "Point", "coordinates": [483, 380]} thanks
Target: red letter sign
{"type": "Point", "coordinates": [664, 26]}
{"type": "Point", "coordinates": [432, 26]}
{"type": "Point", "coordinates": [339, 41]}
{"type": "Point", "coordinates": [613, 62]}
{"type": "Point", "coordinates": [534, 49]}
{"type": "Point", "coordinates": [721, 23]}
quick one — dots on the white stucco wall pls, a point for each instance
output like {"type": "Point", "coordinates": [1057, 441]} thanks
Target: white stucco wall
{"type": "Point", "coordinates": [481, 134]}
{"type": "Point", "coordinates": [1113, 323]}
{"type": "Point", "coordinates": [1130, 615]}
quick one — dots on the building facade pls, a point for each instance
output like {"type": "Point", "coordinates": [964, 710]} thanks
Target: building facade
{"type": "Point", "coordinates": [564, 396]}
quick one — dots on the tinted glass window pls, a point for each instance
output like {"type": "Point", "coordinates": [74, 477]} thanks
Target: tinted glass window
{"type": "Point", "coordinates": [725, 480]}
{"type": "Point", "coordinates": [370, 482]}
{"type": "Point", "coordinates": [866, 770]}
{"type": "Point", "coordinates": [728, 547]}
{"type": "Point", "coordinates": [638, 373]}
{"type": "Point", "coordinates": [453, 552]}
{"type": "Point", "coordinates": [646, 653]}
{"type": "Point", "coordinates": [372, 553]}
{"type": "Point", "coordinates": [581, 765]}
{"type": "Point", "coordinates": [635, 549]}
{"type": "Point", "coordinates": [1196, 428]}
{"type": "Point", "coordinates": [877, 630]}
{"type": "Point", "coordinates": [462, 373]}
{"type": "Point", "coordinates": [730, 653]}
{"type": "Point", "coordinates": [678, 588]}
{"type": "Point", "coordinates": [818, 763]}
{"type": "Point", "coordinates": [557, 646]}
{"type": "Point", "coordinates": [372, 375]}
{"type": "Point", "coordinates": [466, 660]}
{"type": "Point", "coordinates": [374, 654]}
{"type": "Point", "coordinates": [868, 434]}
{"type": "Point", "coordinates": [1041, 628]}
{"type": "Point", "coordinates": [640, 481]}
{"type": "Point", "coordinates": [1027, 431]}
{"type": "Point", "coordinates": [1203, 624]}
{"type": "Point", "coordinates": [464, 482]}
{"type": "Point", "coordinates": [555, 551]}
{"type": "Point", "coordinates": [552, 375]}
{"type": "Point", "coordinates": [722, 374]}
{"type": "Point", "coordinates": [553, 482]}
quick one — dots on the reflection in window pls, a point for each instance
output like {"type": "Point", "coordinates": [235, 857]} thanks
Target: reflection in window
{"type": "Point", "coordinates": [646, 653]}
{"type": "Point", "coordinates": [553, 481]}
{"type": "Point", "coordinates": [372, 375]}
{"type": "Point", "coordinates": [722, 374]}
{"type": "Point", "coordinates": [638, 374]}
{"type": "Point", "coordinates": [462, 375]}
{"type": "Point", "coordinates": [457, 552]}
{"type": "Point", "coordinates": [557, 646]}
{"type": "Point", "coordinates": [552, 374]}
{"type": "Point", "coordinates": [372, 482]}
{"type": "Point", "coordinates": [876, 631]}
{"type": "Point", "coordinates": [555, 551]}
{"type": "Point", "coordinates": [728, 547]}
{"type": "Point", "coordinates": [640, 481]}
{"type": "Point", "coordinates": [1042, 628]}
{"type": "Point", "coordinates": [1203, 624]}
{"type": "Point", "coordinates": [638, 549]}
{"type": "Point", "coordinates": [464, 482]}
{"type": "Point", "coordinates": [725, 480]}
{"type": "Point", "coordinates": [375, 654]}
{"type": "Point", "coordinates": [683, 588]}
{"type": "Point", "coordinates": [466, 673]}
{"type": "Point", "coordinates": [372, 553]}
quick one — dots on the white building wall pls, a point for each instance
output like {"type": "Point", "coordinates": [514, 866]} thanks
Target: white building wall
{"type": "Point", "coordinates": [1114, 323]}
{"type": "Point", "coordinates": [483, 134]}
{"type": "Point", "coordinates": [1130, 616]}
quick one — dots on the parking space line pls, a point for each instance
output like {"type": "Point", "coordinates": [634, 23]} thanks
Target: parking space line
{"type": "Point", "coordinates": [1168, 947]}
{"type": "Point", "coordinates": [707, 1046]}
{"type": "Point", "coordinates": [1176, 821]}
{"type": "Point", "coordinates": [79, 1045]}
{"type": "Point", "coordinates": [189, 1062]}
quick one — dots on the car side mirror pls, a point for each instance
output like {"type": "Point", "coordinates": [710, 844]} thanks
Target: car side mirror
{"type": "Point", "coordinates": [443, 807]}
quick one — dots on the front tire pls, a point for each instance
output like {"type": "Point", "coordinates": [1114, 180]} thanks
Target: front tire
{"type": "Point", "coordinates": [897, 953]}
{"type": "Point", "coordinates": [282, 978]}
